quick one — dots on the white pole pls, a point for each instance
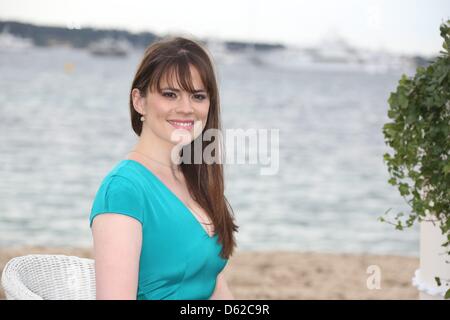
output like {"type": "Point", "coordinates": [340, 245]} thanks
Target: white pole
{"type": "Point", "coordinates": [434, 262]}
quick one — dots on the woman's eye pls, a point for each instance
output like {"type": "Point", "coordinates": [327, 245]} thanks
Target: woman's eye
{"type": "Point", "coordinates": [168, 94]}
{"type": "Point", "coordinates": [200, 96]}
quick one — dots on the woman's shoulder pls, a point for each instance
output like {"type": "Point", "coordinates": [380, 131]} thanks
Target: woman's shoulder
{"type": "Point", "coordinates": [123, 172]}
{"type": "Point", "coordinates": [122, 178]}
{"type": "Point", "coordinates": [119, 192]}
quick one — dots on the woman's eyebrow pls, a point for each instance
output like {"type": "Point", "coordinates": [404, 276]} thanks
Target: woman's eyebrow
{"type": "Point", "coordinates": [178, 90]}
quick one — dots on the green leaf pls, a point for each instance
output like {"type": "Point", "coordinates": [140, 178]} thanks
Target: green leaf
{"type": "Point", "coordinates": [403, 101]}
{"type": "Point", "coordinates": [446, 169]}
{"type": "Point", "coordinates": [447, 294]}
{"type": "Point", "coordinates": [392, 100]}
{"type": "Point", "coordinates": [442, 78]}
{"type": "Point", "coordinates": [391, 114]}
{"type": "Point", "coordinates": [400, 214]}
{"type": "Point", "coordinates": [392, 181]}
{"type": "Point", "coordinates": [404, 189]}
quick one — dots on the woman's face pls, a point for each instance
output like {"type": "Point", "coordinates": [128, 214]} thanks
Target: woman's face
{"type": "Point", "coordinates": [175, 114]}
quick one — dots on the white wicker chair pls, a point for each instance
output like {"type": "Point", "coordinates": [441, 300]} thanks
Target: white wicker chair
{"type": "Point", "coordinates": [49, 277]}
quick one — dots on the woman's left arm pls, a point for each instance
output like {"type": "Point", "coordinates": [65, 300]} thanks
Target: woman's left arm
{"type": "Point", "coordinates": [221, 291]}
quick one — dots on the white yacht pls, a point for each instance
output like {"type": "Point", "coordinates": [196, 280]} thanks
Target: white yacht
{"type": "Point", "coordinates": [10, 42]}
{"type": "Point", "coordinates": [110, 47]}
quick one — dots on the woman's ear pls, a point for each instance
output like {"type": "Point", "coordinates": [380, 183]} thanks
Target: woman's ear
{"type": "Point", "coordinates": [138, 101]}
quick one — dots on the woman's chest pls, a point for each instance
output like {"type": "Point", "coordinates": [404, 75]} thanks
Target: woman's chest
{"type": "Point", "coordinates": [177, 191]}
{"type": "Point", "coordinates": [176, 252]}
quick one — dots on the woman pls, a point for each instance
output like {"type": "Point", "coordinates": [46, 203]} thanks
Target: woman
{"type": "Point", "coordinates": [161, 225]}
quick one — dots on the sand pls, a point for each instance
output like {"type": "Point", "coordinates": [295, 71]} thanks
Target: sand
{"type": "Point", "coordinates": [293, 275]}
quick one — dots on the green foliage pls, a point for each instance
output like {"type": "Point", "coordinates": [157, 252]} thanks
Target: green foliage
{"type": "Point", "coordinates": [419, 134]}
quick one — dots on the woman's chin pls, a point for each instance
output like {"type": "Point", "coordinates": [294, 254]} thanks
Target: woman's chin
{"type": "Point", "coordinates": [180, 137]}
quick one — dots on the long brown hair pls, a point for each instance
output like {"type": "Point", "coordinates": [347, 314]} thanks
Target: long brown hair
{"type": "Point", "coordinates": [205, 182]}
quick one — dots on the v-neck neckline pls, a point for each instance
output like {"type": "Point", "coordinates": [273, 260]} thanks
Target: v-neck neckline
{"type": "Point", "coordinates": [159, 181]}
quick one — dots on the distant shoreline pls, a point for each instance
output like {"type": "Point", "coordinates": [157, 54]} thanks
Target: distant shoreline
{"type": "Point", "coordinates": [50, 35]}
{"type": "Point", "coordinates": [291, 274]}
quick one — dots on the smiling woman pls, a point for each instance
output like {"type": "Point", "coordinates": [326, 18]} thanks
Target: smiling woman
{"type": "Point", "coordinates": [180, 108]}
{"type": "Point", "coordinates": [162, 228]}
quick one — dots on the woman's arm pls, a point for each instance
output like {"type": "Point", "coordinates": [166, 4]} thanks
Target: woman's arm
{"type": "Point", "coordinates": [221, 291]}
{"type": "Point", "coordinates": [117, 248]}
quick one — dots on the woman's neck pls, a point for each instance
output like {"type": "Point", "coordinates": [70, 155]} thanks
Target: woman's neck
{"type": "Point", "coordinates": [156, 152]}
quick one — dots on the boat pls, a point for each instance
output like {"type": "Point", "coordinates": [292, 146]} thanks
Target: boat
{"type": "Point", "coordinates": [11, 42]}
{"type": "Point", "coordinates": [110, 47]}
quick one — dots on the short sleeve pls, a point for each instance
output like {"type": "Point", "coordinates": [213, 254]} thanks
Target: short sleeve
{"type": "Point", "coordinates": [118, 195]}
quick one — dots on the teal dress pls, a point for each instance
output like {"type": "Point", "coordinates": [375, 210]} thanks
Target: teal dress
{"type": "Point", "coordinates": [179, 260]}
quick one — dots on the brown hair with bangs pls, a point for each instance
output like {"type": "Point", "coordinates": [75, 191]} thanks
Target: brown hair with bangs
{"type": "Point", "coordinates": [171, 57]}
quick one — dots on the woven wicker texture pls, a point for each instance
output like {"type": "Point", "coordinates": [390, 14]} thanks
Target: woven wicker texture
{"type": "Point", "coordinates": [49, 277]}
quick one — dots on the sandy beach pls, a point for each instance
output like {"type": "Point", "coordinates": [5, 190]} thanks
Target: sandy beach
{"type": "Point", "coordinates": [293, 275]}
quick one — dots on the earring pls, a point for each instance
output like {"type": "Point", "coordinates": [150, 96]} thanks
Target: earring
{"type": "Point", "coordinates": [142, 118]}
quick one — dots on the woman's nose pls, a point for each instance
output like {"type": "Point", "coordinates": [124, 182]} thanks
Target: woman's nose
{"type": "Point", "coordinates": [185, 104]}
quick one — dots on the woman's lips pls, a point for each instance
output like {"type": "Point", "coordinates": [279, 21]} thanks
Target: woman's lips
{"type": "Point", "coordinates": [182, 124]}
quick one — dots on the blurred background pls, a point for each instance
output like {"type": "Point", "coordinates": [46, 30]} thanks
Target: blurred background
{"type": "Point", "coordinates": [321, 72]}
